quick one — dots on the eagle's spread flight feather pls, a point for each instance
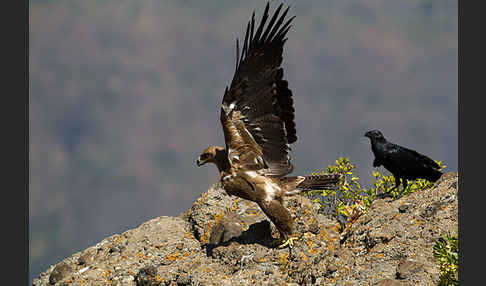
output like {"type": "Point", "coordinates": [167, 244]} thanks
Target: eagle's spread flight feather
{"type": "Point", "coordinates": [257, 116]}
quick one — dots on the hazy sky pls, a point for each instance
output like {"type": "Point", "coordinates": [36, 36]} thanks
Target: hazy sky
{"type": "Point", "coordinates": [124, 95]}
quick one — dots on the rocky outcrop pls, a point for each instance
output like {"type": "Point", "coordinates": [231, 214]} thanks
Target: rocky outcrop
{"type": "Point", "coordinates": [224, 240]}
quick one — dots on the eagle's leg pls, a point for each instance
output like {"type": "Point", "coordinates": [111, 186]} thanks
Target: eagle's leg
{"type": "Point", "coordinates": [288, 242]}
{"type": "Point", "coordinates": [281, 218]}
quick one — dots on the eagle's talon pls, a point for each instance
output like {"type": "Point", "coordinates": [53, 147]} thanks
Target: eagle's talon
{"type": "Point", "coordinates": [289, 242]}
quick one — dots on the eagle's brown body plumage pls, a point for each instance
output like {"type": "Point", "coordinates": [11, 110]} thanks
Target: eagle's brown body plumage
{"type": "Point", "coordinates": [257, 116]}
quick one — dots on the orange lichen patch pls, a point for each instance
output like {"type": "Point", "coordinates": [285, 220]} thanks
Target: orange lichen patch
{"type": "Point", "coordinates": [310, 220]}
{"type": "Point", "coordinates": [118, 239]}
{"type": "Point", "coordinates": [283, 259]}
{"type": "Point", "coordinates": [139, 254]}
{"type": "Point", "coordinates": [105, 273]}
{"type": "Point", "coordinates": [395, 216]}
{"type": "Point", "coordinates": [329, 238]}
{"type": "Point", "coordinates": [304, 257]}
{"type": "Point", "coordinates": [252, 211]}
{"type": "Point", "coordinates": [418, 221]}
{"type": "Point", "coordinates": [158, 278]}
{"type": "Point", "coordinates": [235, 205]}
{"type": "Point", "coordinates": [205, 269]}
{"type": "Point", "coordinates": [336, 227]}
{"type": "Point", "coordinates": [202, 197]}
{"type": "Point", "coordinates": [207, 233]}
{"type": "Point", "coordinates": [205, 236]}
{"type": "Point", "coordinates": [331, 248]}
{"type": "Point", "coordinates": [310, 243]}
{"type": "Point", "coordinates": [379, 255]}
{"type": "Point", "coordinates": [188, 235]}
{"type": "Point", "coordinates": [174, 256]}
{"type": "Point", "coordinates": [323, 233]}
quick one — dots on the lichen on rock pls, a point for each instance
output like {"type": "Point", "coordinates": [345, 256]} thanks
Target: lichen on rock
{"type": "Point", "coordinates": [224, 240]}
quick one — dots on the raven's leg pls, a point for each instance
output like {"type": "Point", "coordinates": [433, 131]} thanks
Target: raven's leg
{"type": "Point", "coordinates": [388, 194]}
{"type": "Point", "coordinates": [397, 183]}
{"type": "Point", "coordinates": [404, 183]}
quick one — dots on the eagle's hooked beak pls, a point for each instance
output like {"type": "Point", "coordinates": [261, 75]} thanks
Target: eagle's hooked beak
{"type": "Point", "coordinates": [198, 162]}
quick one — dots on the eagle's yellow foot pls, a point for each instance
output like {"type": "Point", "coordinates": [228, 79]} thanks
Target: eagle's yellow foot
{"type": "Point", "coordinates": [289, 242]}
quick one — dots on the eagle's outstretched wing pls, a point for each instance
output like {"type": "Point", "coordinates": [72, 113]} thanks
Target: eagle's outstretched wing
{"type": "Point", "coordinates": [257, 111]}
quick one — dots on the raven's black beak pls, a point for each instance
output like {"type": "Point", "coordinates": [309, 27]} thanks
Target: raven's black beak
{"type": "Point", "coordinates": [198, 162]}
{"type": "Point", "coordinates": [368, 134]}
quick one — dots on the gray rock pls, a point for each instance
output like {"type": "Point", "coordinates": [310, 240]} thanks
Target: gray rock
{"type": "Point", "coordinates": [406, 268]}
{"type": "Point", "coordinates": [228, 241]}
{"type": "Point", "coordinates": [147, 276]}
{"type": "Point", "coordinates": [403, 208]}
{"type": "Point", "coordinates": [388, 282]}
{"type": "Point", "coordinates": [59, 272]}
{"type": "Point", "coordinates": [184, 279]}
{"type": "Point", "coordinates": [226, 229]}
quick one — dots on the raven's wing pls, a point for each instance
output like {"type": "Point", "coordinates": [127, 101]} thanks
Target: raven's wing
{"type": "Point", "coordinates": [257, 111]}
{"type": "Point", "coordinates": [408, 161]}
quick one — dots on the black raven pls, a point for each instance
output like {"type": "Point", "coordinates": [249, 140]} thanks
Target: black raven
{"type": "Point", "coordinates": [402, 162]}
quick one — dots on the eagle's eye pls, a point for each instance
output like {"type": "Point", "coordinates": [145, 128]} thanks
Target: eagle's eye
{"type": "Point", "coordinates": [204, 156]}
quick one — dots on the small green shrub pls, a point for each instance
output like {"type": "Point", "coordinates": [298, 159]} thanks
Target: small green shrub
{"type": "Point", "coordinates": [349, 194]}
{"type": "Point", "coordinates": [446, 254]}
{"type": "Point", "coordinates": [349, 191]}
{"type": "Point", "coordinates": [386, 183]}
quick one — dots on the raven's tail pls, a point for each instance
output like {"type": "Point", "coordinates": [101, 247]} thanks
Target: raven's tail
{"type": "Point", "coordinates": [318, 182]}
{"type": "Point", "coordinates": [434, 176]}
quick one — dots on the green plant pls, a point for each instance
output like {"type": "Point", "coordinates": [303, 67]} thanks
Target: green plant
{"type": "Point", "coordinates": [349, 193]}
{"type": "Point", "coordinates": [446, 254]}
{"type": "Point", "coordinates": [350, 197]}
{"type": "Point", "coordinates": [384, 184]}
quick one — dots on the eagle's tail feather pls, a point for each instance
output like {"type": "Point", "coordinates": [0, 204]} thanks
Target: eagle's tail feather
{"type": "Point", "coordinates": [319, 182]}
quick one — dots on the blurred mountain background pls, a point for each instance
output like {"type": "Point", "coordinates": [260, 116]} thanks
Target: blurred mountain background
{"type": "Point", "coordinates": [124, 95]}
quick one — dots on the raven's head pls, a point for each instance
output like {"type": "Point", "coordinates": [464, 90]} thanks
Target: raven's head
{"type": "Point", "coordinates": [210, 155]}
{"type": "Point", "coordinates": [375, 135]}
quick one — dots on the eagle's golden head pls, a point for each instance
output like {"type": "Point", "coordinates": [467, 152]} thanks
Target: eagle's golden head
{"type": "Point", "coordinates": [210, 155]}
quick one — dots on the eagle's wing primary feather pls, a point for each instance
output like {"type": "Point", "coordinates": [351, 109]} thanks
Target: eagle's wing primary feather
{"type": "Point", "coordinates": [257, 111]}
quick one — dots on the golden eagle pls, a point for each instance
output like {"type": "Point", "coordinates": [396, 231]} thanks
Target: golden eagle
{"type": "Point", "coordinates": [257, 116]}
